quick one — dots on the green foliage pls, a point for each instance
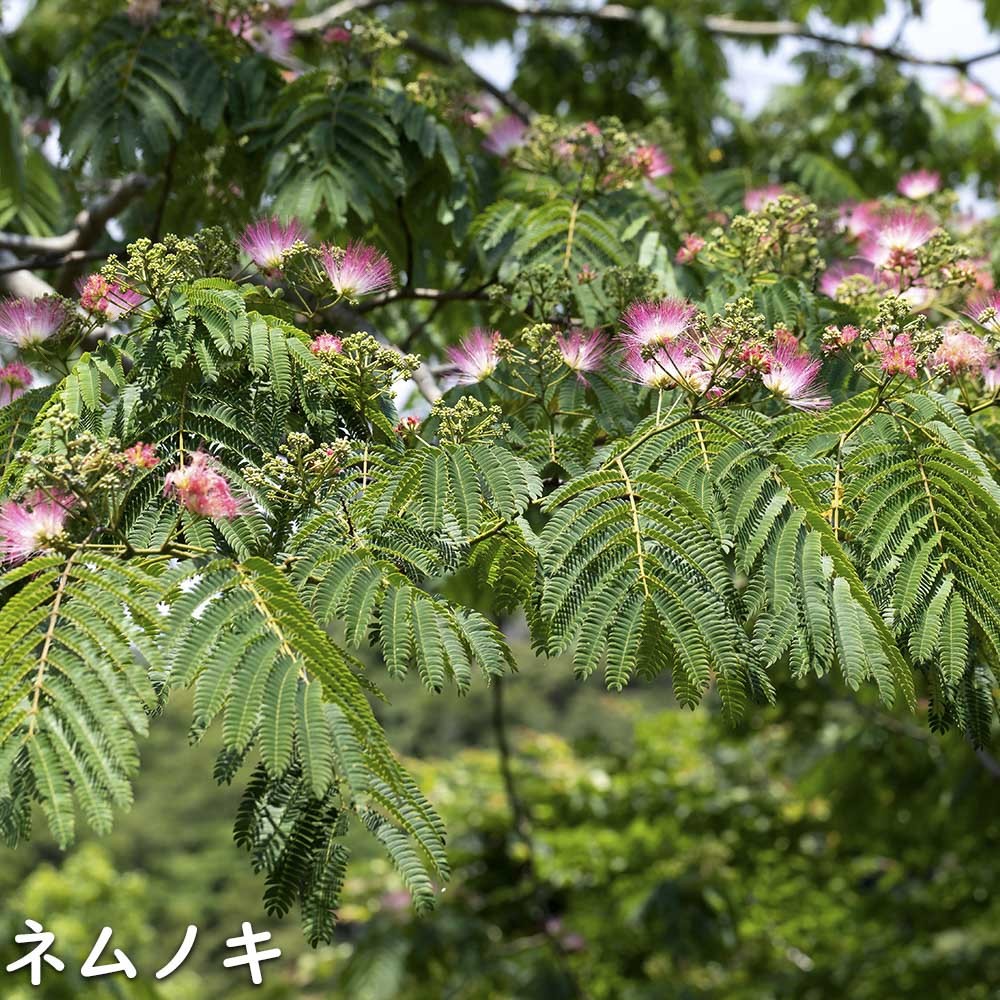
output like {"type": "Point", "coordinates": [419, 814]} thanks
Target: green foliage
{"type": "Point", "coordinates": [223, 483]}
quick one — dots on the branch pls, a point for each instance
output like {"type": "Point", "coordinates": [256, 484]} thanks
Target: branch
{"type": "Point", "coordinates": [507, 98]}
{"type": "Point", "coordinates": [88, 224]}
{"type": "Point", "coordinates": [18, 281]}
{"type": "Point", "coordinates": [427, 294]}
{"type": "Point", "coordinates": [46, 262]}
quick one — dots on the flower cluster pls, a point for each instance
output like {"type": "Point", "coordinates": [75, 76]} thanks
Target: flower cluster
{"type": "Point", "coordinates": [107, 300]}
{"type": "Point", "coordinates": [266, 241]}
{"type": "Point", "coordinates": [32, 525]}
{"type": "Point", "coordinates": [26, 323]}
{"type": "Point", "coordinates": [669, 344]}
{"type": "Point", "coordinates": [201, 489]}
{"type": "Point", "coordinates": [356, 270]}
{"type": "Point", "coordinates": [15, 380]}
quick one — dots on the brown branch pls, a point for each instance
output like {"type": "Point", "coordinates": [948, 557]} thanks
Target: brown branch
{"type": "Point", "coordinates": [507, 98]}
{"type": "Point", "coordinates": [426, 294]}
{"type": "Point", "coordinates": [88, 224]}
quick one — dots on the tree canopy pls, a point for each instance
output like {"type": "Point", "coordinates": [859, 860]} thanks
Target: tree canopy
{"type": "Point", "coordinates": [329, 361]}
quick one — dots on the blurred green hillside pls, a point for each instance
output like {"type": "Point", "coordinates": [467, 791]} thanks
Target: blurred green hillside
{"type": "Point", "coordinates": [824, 851]}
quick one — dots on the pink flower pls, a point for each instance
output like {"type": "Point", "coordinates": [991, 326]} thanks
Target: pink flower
{"type": "Point", "coordinates": [991, 378]}
{"type": "Point", "coordinates": [794, 378]}
{"type": "Point", "coordinates": [476, 357]}
{"type": "Point", "coordinates": [830, 284]}
{"type": "Point", "coordinates": [657, 322]}
{"type": "Point", "coordinates": [337, 35]}
{"type": "Point", "coordinates": [893, 244]}
{"type": "Point", "coordinates": [960, 351]}
{"type": "Point", "coordinates": [326, 343]}
{"type": "Point", "coordinates": [357, 269]}
{"type": "Point", "coordinates": [583, 350]}
{"type": "Point", "coordinates": [32, 525]}
{"type": "Point", "coordinates": [199, 488]}
{"type": "Point", "coordinates": [676, 365]}
{"type": "Point", "coordinates": [15, 381]}
{"type": "Point", "coordinates": [985, 310]}
{"type": "Point", "coordinates": [29, 322]}
{"type": "Point", "coordinates": [142, 456]}
{"type": "Point", "coordinates": [756, 198]}
{"type": "Point", "coordinates": [506, 136]}
{"type": "Point", "coordinates": [919, 184]}
{"type": "Point", "coordinates": [266, 240]}
{"type": "Point", "coordinates": [107, 298]}
{"type": "Point", "coordinates": [897, 357]}
{"type": "Point", "coordinates": [651, 162]}
{"type": "Point", "coordinates": [691, 245]}
{"type": "Point", "coordinates": [859, 218]}
{"type": "Point", "coordinates": [273, 37]}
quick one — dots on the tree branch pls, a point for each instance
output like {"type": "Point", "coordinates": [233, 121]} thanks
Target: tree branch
{"type": "Point", "coordinates": [88, 224]}
{"type": "Point", "coordinates": [427, 294]}
{"type": "Point", "coordinates": [507, 98]}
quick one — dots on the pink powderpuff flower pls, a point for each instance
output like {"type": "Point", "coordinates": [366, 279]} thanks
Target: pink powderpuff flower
{"type": "Point", "coordinates": [583, 350]}
{"type": "Point", "coordinates": [337, 36]}
{"type": "Point", "coordinates": [106, 298]}
{"type": "Point", "coordinates": [32, 525]}
{"type": "Point", "coordinates": [657, 322]}
{"type": "Point", "coordinates": [476, 357]}
{"type": "Point", "coordinates": [676, 365]}
{"type": "Point", "coordinates": [756, 198]}
{"type": "Point", "coordinates": [15, 381]}
{"type": "Point", "coordinates": [272, 38]}
{"type": "Point", "coordinates": [985, 310]}
{"type": "Point", "coordinates": [794, 377]}
{"type": "Point", "coordinates": [651, 162]}
{"type": "Point", "coordinates": [838, 273]}
{"type": "Point", "coordinates": [200, 489]}
{"type": "Point", "coordinates": [960, 351]}
{"type": "Point", "coordinates": [991, 378]}
{"type": "Point", "coordinates": [506, 136]}
{"type": "Point", "coordinates": [141, 455]}
{"type": "Point", "coordinates": [326, 344]}
{"type": "Point", "coordinates": [919, 184]}
{"type": "Point", "coordinates": [691, 245]}
{"type": "Point", "coordinates": [893, 244]}
{"type": "Point", "coordinates": [857, 219]}
{"type": "Point", "coordinates": [29, 322]}
{"type": "Point", "coordinates": [896, 356]}
{"type": "Point", "coordinates": [266, 240]}
{"type": "Point", "coordinates": [357, 269]}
